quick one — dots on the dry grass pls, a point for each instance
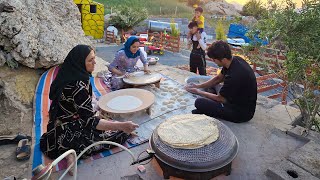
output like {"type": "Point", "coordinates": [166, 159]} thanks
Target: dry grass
{"type": "Point", "coordinates": [168, 7]}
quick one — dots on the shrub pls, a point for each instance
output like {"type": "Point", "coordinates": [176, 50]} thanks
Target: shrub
{"type": "Point", "coordinates": [220, 33]}
{"type": "Point", "coordinates": [127, 17]}
{"type": "Point", "coordinates": [174, 31]}
{"type": "Point", "coordinates": [298, 35]}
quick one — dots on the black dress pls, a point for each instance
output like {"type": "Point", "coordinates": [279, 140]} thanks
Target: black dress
{"type": "Point", "coordinates": [75, 125]}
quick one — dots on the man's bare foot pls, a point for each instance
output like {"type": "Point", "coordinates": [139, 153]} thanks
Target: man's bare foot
{"type": "Point", "coordinates": [70, 161]}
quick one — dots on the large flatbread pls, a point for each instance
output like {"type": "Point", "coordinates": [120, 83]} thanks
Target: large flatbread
{"type": "Point", "coordinates": [188, 131]}
{"type": "Point", "coordinates": [139, 78]}
{"type": "Point", "coordinates": [124, 103]}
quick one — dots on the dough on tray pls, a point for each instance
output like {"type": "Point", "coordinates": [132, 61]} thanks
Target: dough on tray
{"type": "Point", "coordinates": [120, 103]}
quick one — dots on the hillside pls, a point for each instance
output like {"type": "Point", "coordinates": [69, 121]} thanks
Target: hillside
{"type": "Point", "coordinates": [168, 7]}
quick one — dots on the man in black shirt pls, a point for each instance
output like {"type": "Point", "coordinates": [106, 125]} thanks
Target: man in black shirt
{"type": "Point", "coordinates": [236, 100]}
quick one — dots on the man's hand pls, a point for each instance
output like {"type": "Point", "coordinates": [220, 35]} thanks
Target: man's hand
{"type": "Point", "coordinates": [189, 35]}
{"type": "Point", "coordinates": [198, 35]}
{"type": "Point", "coordinates": [193, 90]}
{"type": "Point", "coordinates": [191, 85]}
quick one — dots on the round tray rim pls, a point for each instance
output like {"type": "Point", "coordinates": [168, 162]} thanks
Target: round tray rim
{"type": "Point", "coordinates": [148, 100]}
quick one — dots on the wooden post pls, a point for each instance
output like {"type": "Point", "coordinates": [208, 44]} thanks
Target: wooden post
{"type": "Point", "coordinates": [161, 40]}
{"type": "Point", "coordinates": [160, 10]}
{"type": "Point", "coordinates": [179, 43]}
{"type": "Point", "coordinates": [175, 13]}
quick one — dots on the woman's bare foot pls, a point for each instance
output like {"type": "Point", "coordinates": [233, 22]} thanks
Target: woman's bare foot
{"type": "Point", "coordinates": [70, 161]}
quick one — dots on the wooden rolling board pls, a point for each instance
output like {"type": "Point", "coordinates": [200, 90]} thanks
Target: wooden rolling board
{"type": "Point", "coordinates": [146, 97]}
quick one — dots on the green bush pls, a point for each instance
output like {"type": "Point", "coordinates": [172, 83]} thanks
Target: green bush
{"type": "Point", "coordinates": [220, 31]}
{"type": "Point", "coordinates": [174, 31]}
{"type": "Point", "coordinates": [127, 17]}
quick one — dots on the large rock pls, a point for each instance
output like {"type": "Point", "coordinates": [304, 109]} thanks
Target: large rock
{"type": "Point", "coordinates": [39, 33]}
{"type": "Point", "coordinates": [17, 89]}
{"type": "Point", "coordinates": [220, 7]}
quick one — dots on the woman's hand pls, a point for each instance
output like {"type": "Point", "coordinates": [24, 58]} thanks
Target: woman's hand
{"type": "Point", "coordinates": [128, 126]}
{"type": "Point", "coordinates": [147, 71]}
{"type": "Point", "coordinates": [127, 75]}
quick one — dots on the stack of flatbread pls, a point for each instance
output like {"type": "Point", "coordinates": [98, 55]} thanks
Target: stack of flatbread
{"type": "Point", "coordinates": [188, 131]}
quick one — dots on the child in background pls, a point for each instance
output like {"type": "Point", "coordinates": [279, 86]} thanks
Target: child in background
{"type": "Point", "coordinates": [199, 18]}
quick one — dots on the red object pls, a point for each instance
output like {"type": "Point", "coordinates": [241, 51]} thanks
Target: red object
{"type": "Point", "coordinates": [152, 48]}
{"type": "Point", "coordinates": [141, 168]}
{"type": "Point", "coordinates": [142, 39]}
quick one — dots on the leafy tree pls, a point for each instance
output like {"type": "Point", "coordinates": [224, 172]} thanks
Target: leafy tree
{"type": "Point", "coordinates": [127, 17]}
{"type": "Point", "coordinates": [297, 33]}
{"type": "Point", "coordinates": [254, 8]}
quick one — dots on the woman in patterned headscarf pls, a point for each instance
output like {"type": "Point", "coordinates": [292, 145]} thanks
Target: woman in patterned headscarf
{"type": "Point", "coordinates": [72, 123]}
{"type": "Point", "coordinates": [125, 62]}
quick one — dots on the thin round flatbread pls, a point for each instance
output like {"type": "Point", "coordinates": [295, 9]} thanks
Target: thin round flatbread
{"type": "Point", "coordinates": [140, 78]}
{"type": "Point", "coordinates": [188, 131]}
{"type": "Point", "coordinates": [124, 103]}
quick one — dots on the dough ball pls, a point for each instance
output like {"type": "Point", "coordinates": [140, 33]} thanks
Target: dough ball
{"type": "Point", "coordinates": [166, 103]}
{"type": "Point", "coordinates": [173, 98]}
{"type": "Point", "coordinates": [170, 87]}
{"type": "Point", "coordinates": [163, 94]}
{"type": "Point", "coordinates": [171, 102]}
{"type": "Point", "coordinates": [163, 108]}
{"type": "Point", "coordinates": [183, 103]}
{"type": "Point", "coordinates": [170, 106]}
{"type": "Point", "coordinates": [180, 99]}
{"type": "Point", "coordinates": [186, 100]}
{"type": "Point", "coordinates": [165, 83]}
{"type": "Point", "coordinates": [176, 89]}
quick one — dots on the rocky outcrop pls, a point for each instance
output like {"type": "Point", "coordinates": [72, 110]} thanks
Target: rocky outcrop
{"type": "Point", "coordinates": [237, 5]}
{"type": "Point", "coordinates": [38, 33]}
{"type": "Point", "coordinates": [220, 7]}
{"type": "Point", "coordinates": [17, 89]}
